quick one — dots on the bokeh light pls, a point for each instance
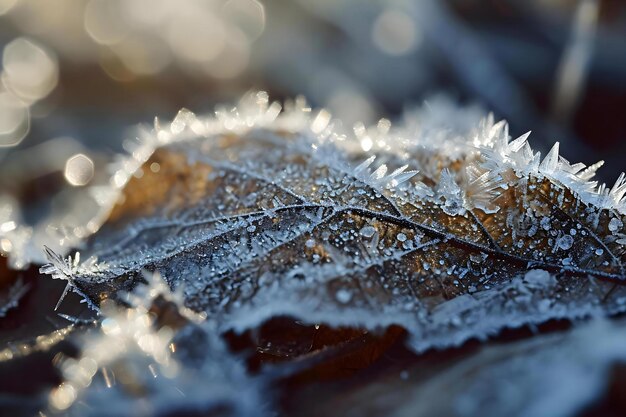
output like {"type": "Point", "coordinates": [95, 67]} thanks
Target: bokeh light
{"type": "Point", "coordinates": [395, 33]}
{"type": "Point", "coordinates": [79, 170]}
{"type": "Point", "coordinates": [206, 37]}
{"type": "Point", "coordinates": [29, 70]}
{"type": "Point", "coordinates": [14, 119]}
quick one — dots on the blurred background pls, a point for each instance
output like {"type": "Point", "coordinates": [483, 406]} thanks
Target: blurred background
{"type": "Point", "coordinates": [75, 74]}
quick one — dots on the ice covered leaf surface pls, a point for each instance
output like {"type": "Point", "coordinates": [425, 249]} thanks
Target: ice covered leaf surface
{"type": "Point", "coordinates": [446, 225]}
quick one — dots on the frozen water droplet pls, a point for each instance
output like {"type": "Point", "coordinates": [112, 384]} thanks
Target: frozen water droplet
{"type": "Point", "coordinates": [368, 231]}
{"type": "Point", "coordinates": [343, 296]}
{"type": "Point", "coordinates": [599, 252]}
{"type": "Point", "coordinates": [565, 242]}
{"type": "Point", "coordinates": [401, 237]}
{"type": "Point", "coordinates": [615, 224]}
{"type": "Point", "coordinates": [251, 228]}
{"type": "Point", "coordinates": [309, 243]}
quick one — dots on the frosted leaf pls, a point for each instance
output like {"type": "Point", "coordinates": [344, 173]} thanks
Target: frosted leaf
{"type": "Point", "coordinates": [253, 216]}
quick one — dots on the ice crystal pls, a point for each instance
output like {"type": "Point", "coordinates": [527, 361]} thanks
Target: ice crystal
{"type": "Point", "coordinates": [67, 269]}
{"type": "Point", "coordinates": [256, 213]}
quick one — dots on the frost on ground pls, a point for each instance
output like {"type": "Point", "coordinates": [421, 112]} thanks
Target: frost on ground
{"type": "Point", "coordinates": [445, 226]}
